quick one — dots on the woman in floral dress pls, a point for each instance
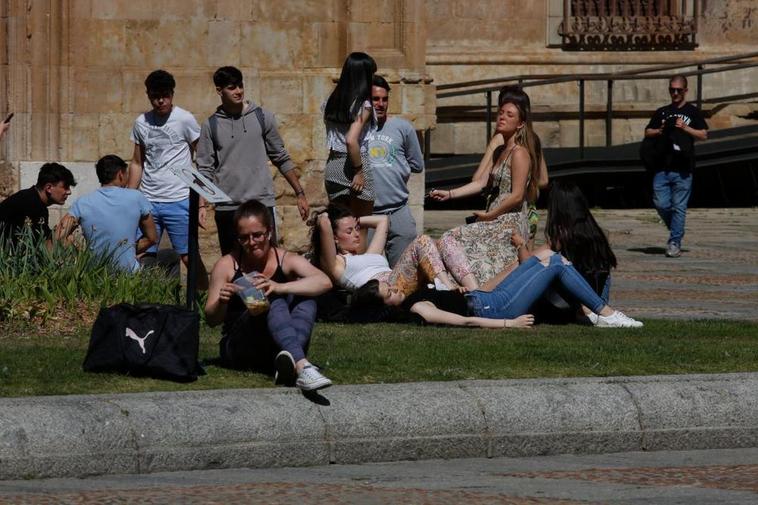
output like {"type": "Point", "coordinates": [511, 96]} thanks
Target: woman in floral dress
{"type": "Point", "coordinates": [479, 250]}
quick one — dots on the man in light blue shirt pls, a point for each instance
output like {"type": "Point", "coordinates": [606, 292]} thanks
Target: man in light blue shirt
{"type": "Point", "coordinates": [111, 215]}
{"type": "Point", "coordinates": [394, 152]}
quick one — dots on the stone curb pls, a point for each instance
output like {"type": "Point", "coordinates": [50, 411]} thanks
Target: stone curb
{"type": "Point", "coordinates": [70, 436]}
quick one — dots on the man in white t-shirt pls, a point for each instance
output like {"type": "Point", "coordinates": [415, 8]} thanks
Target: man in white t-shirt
{"type": "Point", "coordinates": [165, 137]}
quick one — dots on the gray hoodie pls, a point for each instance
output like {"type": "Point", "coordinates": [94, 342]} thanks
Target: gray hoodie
{"type": "Point", "coordinates": [238, 162]}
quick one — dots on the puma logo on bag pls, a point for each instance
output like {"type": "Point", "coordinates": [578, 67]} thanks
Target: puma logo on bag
{"type": "Point", "coordinates": [141, 341]}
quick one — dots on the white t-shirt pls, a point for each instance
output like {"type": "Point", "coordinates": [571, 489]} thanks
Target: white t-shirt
{"type": "Point", "coordinates": [167, 143]}
{"type": "Point", "coordinates": [335, 132]}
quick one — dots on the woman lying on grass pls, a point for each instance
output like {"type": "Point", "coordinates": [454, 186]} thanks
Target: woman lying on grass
{"type": "Point", "coordinates": [506, 305]}
{"type": "Point", "coordinates": [337, 246]}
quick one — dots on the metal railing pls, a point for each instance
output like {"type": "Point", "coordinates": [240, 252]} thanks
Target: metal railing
{"type": "Point", "coordinates": [489, 86]}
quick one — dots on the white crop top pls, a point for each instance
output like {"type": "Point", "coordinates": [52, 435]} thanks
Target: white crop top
{"type": "Point", "coordinates": [361, 268]}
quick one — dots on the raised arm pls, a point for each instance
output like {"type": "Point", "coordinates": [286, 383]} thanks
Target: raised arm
{"type": "Point", "coordinates": [431, 314]}
{"type": "Point", "coordinates": [381, 225]}
{"type": "Point", "coordinates": [328, 253]}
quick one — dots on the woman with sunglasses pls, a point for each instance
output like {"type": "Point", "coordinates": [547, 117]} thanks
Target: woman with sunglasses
{"type": "Point", "coordinates": [277, 340]}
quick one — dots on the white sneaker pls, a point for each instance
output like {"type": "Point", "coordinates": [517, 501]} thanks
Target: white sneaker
{"type": "Point", "coordinates": [618, 320]}
{"type": "Point", "coordinates": [285, 369]}
{"type": "Point", "coordinates": [593, 318]}
{"type": "Point", "coordinates": [310, 379]}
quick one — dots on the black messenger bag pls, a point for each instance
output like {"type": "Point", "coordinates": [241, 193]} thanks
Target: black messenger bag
{"type": "Point", "coordinates": [153, 340]}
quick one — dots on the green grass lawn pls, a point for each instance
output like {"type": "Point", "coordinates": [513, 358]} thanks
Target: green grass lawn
{"type": "Point", "coordinates": [361, 354]}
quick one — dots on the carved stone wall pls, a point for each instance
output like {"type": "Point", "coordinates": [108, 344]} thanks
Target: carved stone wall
{"type": "Point", "coordinates": [73, 72]}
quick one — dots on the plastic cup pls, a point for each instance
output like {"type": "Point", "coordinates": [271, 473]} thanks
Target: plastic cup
{"type": "Point", "coordinates": [254, 299]}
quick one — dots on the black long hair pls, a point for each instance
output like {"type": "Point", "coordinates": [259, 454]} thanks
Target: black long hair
{"type": "Point", "coordinates": [353, 88]}
{"type": "Point", "coordinates": [571, 229]}
{"type": "Point", "coordinates": [335, 213]}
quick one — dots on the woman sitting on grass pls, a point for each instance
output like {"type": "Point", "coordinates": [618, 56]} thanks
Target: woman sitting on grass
{"type": "Point", "coordinates": [337, 243]}
{"type": "Point", "coordinates": [506, 305]}
{"type": "Point", "coordinates": [571, 229]}
{"type": "Point", "coordinates": [279, 337]}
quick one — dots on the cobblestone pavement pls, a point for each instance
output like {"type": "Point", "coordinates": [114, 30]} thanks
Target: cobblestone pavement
{"type": "Point", "coordinates": [667, 477]}
{"type": "Point", "coordinates": [716, 277]}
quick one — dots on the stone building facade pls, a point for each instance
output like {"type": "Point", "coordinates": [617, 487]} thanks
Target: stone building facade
{"type": "Point", "coordinates": [488, 39]}
{"type": "Point", "coordinates": [72, 70]}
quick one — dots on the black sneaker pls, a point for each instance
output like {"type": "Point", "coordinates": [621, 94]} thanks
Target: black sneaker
{"type": "Point", "coordinates": [285, 369]}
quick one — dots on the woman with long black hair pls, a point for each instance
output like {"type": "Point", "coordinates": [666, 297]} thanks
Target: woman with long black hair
{"type": "Point", "coordinates": [349, 118]}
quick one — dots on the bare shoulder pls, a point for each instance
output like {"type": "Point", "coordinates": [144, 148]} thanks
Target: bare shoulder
{"type": "Point", "coordinates": [224, 266]}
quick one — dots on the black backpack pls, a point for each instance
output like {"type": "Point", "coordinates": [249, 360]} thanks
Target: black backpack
{"type": "Point", "coordinates": [159, 341]}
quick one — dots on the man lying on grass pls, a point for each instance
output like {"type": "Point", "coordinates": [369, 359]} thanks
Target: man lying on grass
{"type": "Point", "coordinates": [504, 306]}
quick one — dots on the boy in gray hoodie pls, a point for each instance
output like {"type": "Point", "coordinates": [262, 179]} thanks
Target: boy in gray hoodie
{"type": "Point", "coordinates": [235, 143]}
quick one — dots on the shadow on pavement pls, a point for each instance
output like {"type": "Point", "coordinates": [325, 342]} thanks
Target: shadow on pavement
{"type": "Point", "coordinates": [317, 398]}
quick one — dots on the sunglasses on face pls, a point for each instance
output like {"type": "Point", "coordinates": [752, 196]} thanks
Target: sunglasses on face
{"type": "Point", "coordinates": [676, 90]}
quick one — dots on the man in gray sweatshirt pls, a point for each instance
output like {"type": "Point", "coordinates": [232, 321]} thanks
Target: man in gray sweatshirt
{"type": "Point", "coordinates": [235, 145]}
{"type": "Point", "coordinates": [394, 153]}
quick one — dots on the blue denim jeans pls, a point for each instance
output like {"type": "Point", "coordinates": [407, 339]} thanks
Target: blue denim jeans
{"type": "Point", "coordinates": [517, 293]}
{"type": "Point", "coordinates": [671, 192]}
{"type": "Point", "coordinates": [174, 218]}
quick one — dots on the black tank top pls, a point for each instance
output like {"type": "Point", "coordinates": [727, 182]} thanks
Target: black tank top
{"type": "Point", "coordinates": [236, 306]}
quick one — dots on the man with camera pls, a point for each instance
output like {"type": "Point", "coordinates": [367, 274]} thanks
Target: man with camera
{"type": "Point", "coordinates": [676, 127]}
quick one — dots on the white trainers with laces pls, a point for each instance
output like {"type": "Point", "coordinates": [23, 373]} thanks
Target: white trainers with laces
{"type": "Point", "coordinates": [618, 320]}
{"type": "Point", "coordinates": [310, 379]}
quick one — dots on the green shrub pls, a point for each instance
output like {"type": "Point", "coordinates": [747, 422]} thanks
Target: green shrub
{"type": "Point", "coordinates": [36, 281]}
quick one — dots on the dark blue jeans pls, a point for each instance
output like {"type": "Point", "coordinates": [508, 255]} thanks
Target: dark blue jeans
{"type": "Point", "coordinates": [254, 341]}
{"type": "Point", "coordinates": [671, 192]}
{"type": "Point", "coordinates": [517, 293]}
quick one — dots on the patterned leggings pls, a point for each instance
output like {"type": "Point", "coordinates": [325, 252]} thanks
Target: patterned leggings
{"type": "Point", "coordinates": [455, 257]}
{"type": "Point", "coordinates": [421, 261]}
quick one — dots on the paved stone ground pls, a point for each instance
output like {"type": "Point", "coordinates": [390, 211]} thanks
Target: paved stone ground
{"type": "Point", "coordinates": [716, 276]}
{"type": "Point", "coordinates": [668, 477]}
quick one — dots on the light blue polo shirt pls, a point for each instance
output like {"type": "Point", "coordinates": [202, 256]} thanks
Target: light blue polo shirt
{"type": "Point", "coordinates": [110, 218]}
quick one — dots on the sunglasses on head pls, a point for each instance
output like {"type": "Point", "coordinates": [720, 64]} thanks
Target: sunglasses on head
{"type": "Point", "coordinates": [676, 90]}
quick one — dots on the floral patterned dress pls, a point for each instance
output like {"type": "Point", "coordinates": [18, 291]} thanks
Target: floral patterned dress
{"type": "Point", "coordinates": [483, 248]}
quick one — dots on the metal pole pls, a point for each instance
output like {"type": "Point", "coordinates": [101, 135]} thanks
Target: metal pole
{"type": "Point", "coordinates": [700, 88]}
{"type": "Point", "coordinates": [581, 119]}
{"type": "Point", "coordinates": [193, 250]}
{"type": "Point", "coordinates": [489, 118]}
{"type": "Point", "coordinates": [609, 115]}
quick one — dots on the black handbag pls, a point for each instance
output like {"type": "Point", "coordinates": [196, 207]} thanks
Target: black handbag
{"type": "Point", "coordinates": [159, 341]}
